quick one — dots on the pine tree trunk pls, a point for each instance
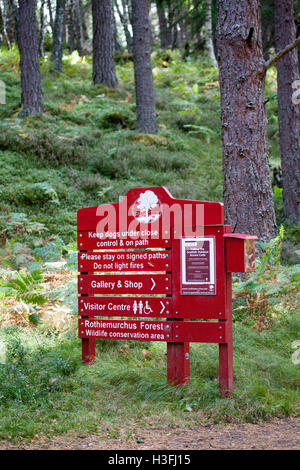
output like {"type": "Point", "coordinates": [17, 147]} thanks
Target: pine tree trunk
{"type": "Point", "coordinates": [103, 44]}
{"type": "Point", "coordinates": [74, 26]}
{"type": "Point", "coordinates": [124, 18]}
{"type": "Point", "coordinates": [8, 21]}
{"type": "Point", "coordinates": [29, 59]}
{"type": "Point", "coordinates": [209, 34]}
{"type": "Point", "coordinates": [170, 10]}
{"type": "Point", "coordinates": [248, 197]}
{"type": "Point", "coordinates": [144, 90]}
{"type": "Point", "coordinates": [117, 43]}
{"type": "Point", "coordinates": [14, 22]}
{"type": "Point", "coordinates": [77, 28]}
{"type": "Point", "coordinates": [10, 24]}
{"type": "Point", "coordinates": [288, 112]}
{"type": "Point", "coordinates": [58, 36]}
{"type": "Point", "coordinates": [51, 16]}
{"type": "Point", "coordinates": [42, 30]}
{"type": "Point", "coordinates": [163, 26]}
{"type": "Point", "coordinates": [84, 22]}
{"type": "Point", "coordinates": [70, 25]}
{"type": "Point", "coordinates": [3, 32]}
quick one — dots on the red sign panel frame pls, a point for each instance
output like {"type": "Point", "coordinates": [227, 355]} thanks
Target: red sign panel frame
{"type": "Point", "coordinates": [124, 284]}
{"type": "Point", "coordinates": [118, 261]}
{"type": "Point", "coordinates": [129, 330]}
{"type": "Point", "coordinates": [92, 240]}
{"type": "Point", "coordinates": [140, 330]}
{"type": "Point", "coordinates": [110, 234]}
{"type": "Point", "coordinates": [152, 307]}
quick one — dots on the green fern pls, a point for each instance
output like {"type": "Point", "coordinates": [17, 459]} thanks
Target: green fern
{"type": "Point", "coordinates": [26, 287]}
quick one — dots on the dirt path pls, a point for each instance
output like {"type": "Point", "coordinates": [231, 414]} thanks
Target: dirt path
{"type": "Point", "coordinates": [278, 434]}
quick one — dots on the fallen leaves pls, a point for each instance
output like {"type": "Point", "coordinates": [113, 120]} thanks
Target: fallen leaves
{"type": "Point", "coordinates": [124, 349]}
{"type": "Point", "coordinates": [146, 354]}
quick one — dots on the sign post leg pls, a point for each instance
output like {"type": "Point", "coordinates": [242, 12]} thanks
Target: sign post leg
{"type": "Point", "coordinates": [225, 349]}
{"type": "Point", "coordinates": [88, 345]}
{"type": "Point", "coordinates": [88, 350]}
{"type": "Point", "coordinates": [225, 369]}
{"type": "Point", "coordinates": [178, 363]}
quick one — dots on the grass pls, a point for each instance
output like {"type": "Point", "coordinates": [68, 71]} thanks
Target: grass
{"type": "Point", "coordinates": [46, 389]}
{"type": "Point", "coordinates": [84, 151]}
{"type": "Point", "coordinates": [86, 148]}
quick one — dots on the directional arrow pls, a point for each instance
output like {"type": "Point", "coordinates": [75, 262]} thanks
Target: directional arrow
{"type": "Point", "coordinates": [124, 306]}
{"type": "Point", "coordinates": [124, 284]}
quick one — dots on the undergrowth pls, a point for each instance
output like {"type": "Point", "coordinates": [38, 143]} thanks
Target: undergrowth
{"type": "Point", "coordinates": [84, 151]}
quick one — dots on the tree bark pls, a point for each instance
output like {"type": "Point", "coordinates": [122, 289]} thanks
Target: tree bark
{"type": "Point", "coordinates": [84, 22]}
{"type": "Point", "coordinates": [29, 59]}
{"type": "Point", "coordinates": [144, 89]}
{"type": "Point", "coordinates": [163, 26]}
{"type": "Point", "coordinates": [248, 197]}
{"type": "Point", "coordinates": [174, 29]}
{"type": "Point", "coordinates": [124, 18]}
{"type": "Point", "coordinates": [103, 44]}
{"type": "Point", "coordinates": [42, 30]}
{"type": "Point", "coordinates": [288, 112]}
{"type": "Point", "coordinates": [51, 16]}
{"type": "Point", "coordinates": [117, 43]}
{"type": "Point", "coordinates": [58, 36]}
{"type": "Point", "coordinates": [3, 32]}
{"type": "Point", "coordinates": [209, 35]}
{"type": "Point", "coordinates": [13, 27]}
{"type": "Point", "coordinates": [70, 26]}
{"type": "Point", "coordinates": [171, 22]}
{"type": "Point", "coordinates": [8, 20]}
{"type": "Point", "coordinates": [77, 28]}
{"type": "Point", "coordinates": [74, 26]}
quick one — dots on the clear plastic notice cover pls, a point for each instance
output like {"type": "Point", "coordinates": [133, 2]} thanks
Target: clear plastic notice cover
{"type": "Point", "coordinates": [198, 266]}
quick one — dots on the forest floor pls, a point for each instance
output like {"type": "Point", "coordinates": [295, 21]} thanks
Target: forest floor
{"type": "Point", "coordinates": [84, 151]}
{"type": "Point", "coordinates": [278, 434]}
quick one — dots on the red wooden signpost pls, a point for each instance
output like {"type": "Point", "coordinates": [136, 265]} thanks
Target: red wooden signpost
{"type": "Point", "coordinates": [154, 256]}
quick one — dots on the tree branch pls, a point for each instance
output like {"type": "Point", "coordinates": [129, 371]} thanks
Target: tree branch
{"type": "Point", "coordinates": [273, 60]}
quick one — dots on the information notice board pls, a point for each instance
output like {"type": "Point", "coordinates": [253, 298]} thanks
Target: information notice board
{"type": "Point", "coordinates": [198, 266]}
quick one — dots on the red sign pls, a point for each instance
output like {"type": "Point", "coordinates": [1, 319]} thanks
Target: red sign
{"type": "Point", "coordinates": [92, 240]}
{"type": "Point", "coordinates": [151, 209]}
{"type": "Point", "coordinates": [199, 332]}
{"type": "Point", "coordinates": [125, 329]}
{"type": "Point", "coordinates": [113, 261]}
{"type": "Point", "coordinates": [125, 306]}
{"type": "Point", "coordinates": [213, 332]}
{"type": "Point", "coordinates": [124, 284]}
{"type": "Point", "coordinates": [137, 240]}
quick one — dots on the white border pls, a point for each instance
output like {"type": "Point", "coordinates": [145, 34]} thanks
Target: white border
{"type": "Point", "coordinates": [212, 273]}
